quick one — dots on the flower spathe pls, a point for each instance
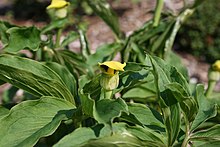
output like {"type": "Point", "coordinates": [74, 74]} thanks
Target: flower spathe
{"type": "Point", "coordinates": [57, 4]}
{"type": "Point", "coordinates": [110, 79]}
{"type": "Point", "coordinates": [111, 67]}
{"type": "Point", "coordinates": [216, 66]}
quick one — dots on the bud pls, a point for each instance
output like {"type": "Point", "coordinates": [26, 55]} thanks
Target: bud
{"type": "Point", "coordinates": [214, 72]}
{"type": "Point", "coordinates": [213, 75]}
{"type": "Point", "coordinates": [57, 4]}
{"type": "Point", "coordinates": [110, 78]}
{"type": "Point", "coordinates": [216, 66]}
{"type": "Point", "coordinates": [109, 82]}
{"type": "Point", "coordinates": [61, 13]}
{"type": "Point", "coordinates": [60, 7]}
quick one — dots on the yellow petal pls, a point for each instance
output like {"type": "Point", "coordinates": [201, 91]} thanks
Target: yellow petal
{"type": "Point", "coordinates": [58, 4]}
{"type": "Point", "coordinates": [114, 65]}
{"type": "Point", "coordinates": [216, 66]}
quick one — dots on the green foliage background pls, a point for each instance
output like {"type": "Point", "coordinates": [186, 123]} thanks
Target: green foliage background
{"type": "Point", "coordinates": [64, 105]}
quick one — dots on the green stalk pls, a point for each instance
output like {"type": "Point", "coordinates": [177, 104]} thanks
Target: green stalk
{"type": "Point", "coordinates": [187, 132]}
{"type": "Point", "coordinates": [108, 94]}
{"type": "Point", "coordinates": [58, 36]}
{"type": "Point", "coordinates": [211, 86]}
{"type": "Point", "coordinates": [157, 13]}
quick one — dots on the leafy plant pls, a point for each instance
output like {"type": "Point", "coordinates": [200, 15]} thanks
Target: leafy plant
{"type": "Point", "coordinates": [68, 102]}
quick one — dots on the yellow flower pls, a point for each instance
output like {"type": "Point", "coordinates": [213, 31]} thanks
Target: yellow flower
{"type": "Point", "coordinates": [110, 79]}
{"type": "Point", "coordinates": [57, 4]}
{"type": "Point", "coordinates": [216, 66]}
{"type": "Point", "coordinates": [112, 67]}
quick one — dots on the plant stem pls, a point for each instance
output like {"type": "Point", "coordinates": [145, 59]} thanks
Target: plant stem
{"type": "Point", "coordinates": [187, 132]}
{"type": "Point", "coordinates": [211, 86]}
{"type": "Point", "coordinates": [157, 13]}
{"type": "Point", "coordinates": [107, 94]}
{"type": "Point", "coordinates": [58, 36]}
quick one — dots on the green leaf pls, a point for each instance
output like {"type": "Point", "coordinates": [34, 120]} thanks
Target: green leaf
{"type": "Point", "coordinates": [28, 121]}
{"type": "Point", "coordinates": [77, 138]}
{"type": "Point", "coordinates": [93, 88]}
{"type": "Point", "coordinates": [102, 52]}
{"type": "Point", "coordinates": [122, 136]}
{"type": "Point", "coordinates": [175, 60]}
{"type": "Point", "coordinates": [126, 136]}
{"type": "Point", "coordinates": [165, 74]}
{"type": "Point", "coordinates": [148, 135]}
{"type": "Point", "coordinates": [145, 115]}
{"type": "Point", "coordinates": [104, 11]}
{"type": "Point", "coordinates": [119, 140]}
{"type": "Point", "coordinates": [66, 77]}
{"type": "Point", "coordinates": [208, 136]}
{"type": "Point", "coordinates": [3, 112]}
{"type": "Point", "coordinates": [87, 104]}
{"type": "Point", "coordinates": [108, 109]}
{"type": "Point", "coordinates": [3, 31]}
{"type": "Point", "coordinates": [23, 38]}
{"type": "Point", "coordinates": [187, 103]}
{"type": "Point", "coordinates": [33, 77]}
{"type": "Point", "coordinates": [207, 109]}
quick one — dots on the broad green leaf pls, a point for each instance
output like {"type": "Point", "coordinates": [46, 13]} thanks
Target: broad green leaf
{"type": "Point", "coordinates": [3, 31]}
{"type": "Point", "coordinates": [206, 144]}
{"type": "Point", "coordinates": [108, 109]}
{"type": "Point", "coordinates": [93, 88]}
{"type": "Point", "coordinates": [208, 136]}
{"type": "Point", "coordinates": [148, 135]}
{"type": "Point", "coordinates": [187, 103]}
{"type": "Point", "coordinates": [168, 74]}
{"type": "Point", "coordinates": [33, 77]}
{"type": "Point", "coordinates": [122, 136]}
{"type": "Point", "coordinates": [137, 83]}
{"type": "Point", "coordinates": [3, 111]}
{"type": "Point", "coordinates": [174, 60]}
{"type": "Point", "coordinates": [165, 74]}
{"type": "Point", "coordinates": [59, 23]}
{"type": "Point", "coordinates": [102, 52]}
{"type": "Point", "coordinates": [87, 104]}
{"type": "Point", "coordinates": [66, 77]}
{"type": "Point", "coordinates": [119, 140]}
{"type": "Point", "coordinates": [207, 108]}
{"type": "Point", "coordinates": [23, 38]}
{"type": "Point", "coordinates": [30, 120]}
{"type": "Point", "coordinates": [141, 91]}
{"type": "Point", "coordinates": [145, 115]}
{"type": "Point", "coordinates": [133, 66]}
{"type": "Point", "coordinates": [77, 138]}
{"type": "Point", "coordinates": [72, 36]}
{"type": "Point", "coordinates": [104, 11]}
